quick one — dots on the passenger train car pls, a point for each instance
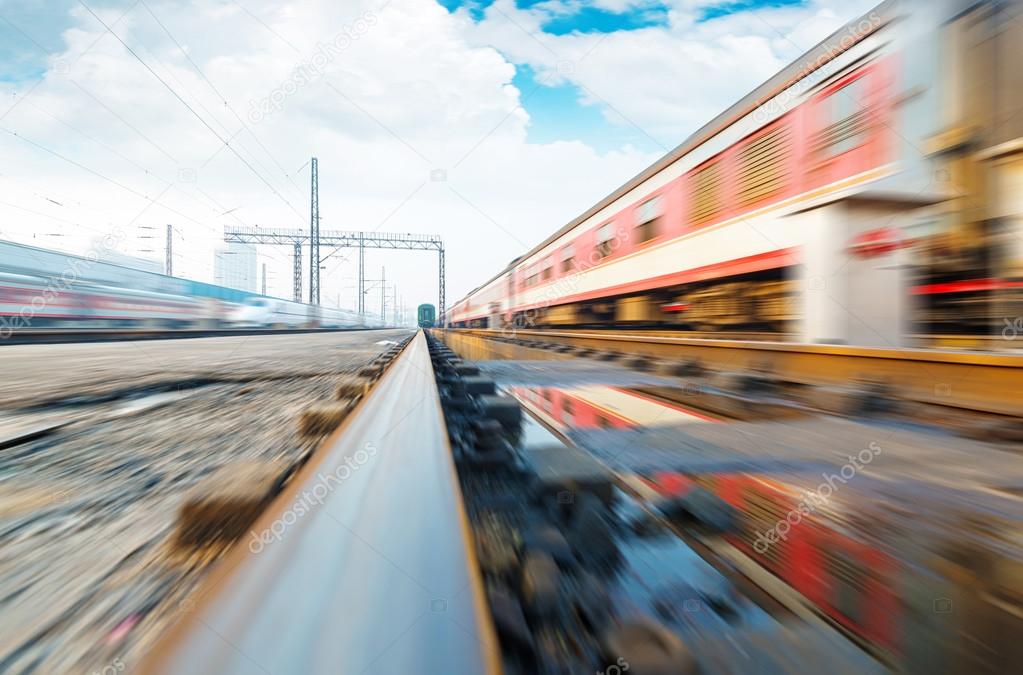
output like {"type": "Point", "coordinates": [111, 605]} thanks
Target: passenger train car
{"type": "Point", "coordinates": [426, 316]}
{"type": "Point", "coordinates": [46, 289]}
{"type": "Point", "coordinates": [860, 195]}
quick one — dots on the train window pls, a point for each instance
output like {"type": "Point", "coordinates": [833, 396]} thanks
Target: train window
{"type": "Point", "coordinates": [567, 411]}
{"type": "Point", "coordinates": [567, 258]}
{"type": "Point", "coordinates": [846, 119]}
{"type": "Point", "coordinates": [762, 166]}
{"type": "Point", "coordinates": [647, 218]}
{"type": "Point", "coordinates": [707, 192]}
{"type": "Point", "coordinates": [531, 275]}
{"type": "Point", "coordinates": [605, 234]}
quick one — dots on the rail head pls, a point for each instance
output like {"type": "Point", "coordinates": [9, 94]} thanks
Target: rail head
{"type": "Point", "coordinates": [364, 563]}
{"type": "Point", "coordinates": [893, 353]}
{"type": "Point", "coordinates": [976, 381]}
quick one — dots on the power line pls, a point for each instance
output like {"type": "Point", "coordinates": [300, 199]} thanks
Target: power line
{"type": "Point", "coordinates": [146, 170]}
{"type": "Point", "coordinates": [220, 96]}
{"type": "Point", "coordinates": [124, 121]}
{"type": "Point", "coordinates": [191, 110]}
{"type": "Point", "coordinates": [119, 184]}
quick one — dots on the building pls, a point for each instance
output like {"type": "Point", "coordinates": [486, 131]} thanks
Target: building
{"type": "Point", "coordinates": [235, 267]}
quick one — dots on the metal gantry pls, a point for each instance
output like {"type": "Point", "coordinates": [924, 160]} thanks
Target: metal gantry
{"type": "Point", "coordinates": [339, 239]}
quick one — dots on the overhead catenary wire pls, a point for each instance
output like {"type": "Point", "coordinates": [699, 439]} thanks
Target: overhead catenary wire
{"type": "Point", "coordinates": [199, 117]}
{"type": "Point", "coordinates": [223, 98]}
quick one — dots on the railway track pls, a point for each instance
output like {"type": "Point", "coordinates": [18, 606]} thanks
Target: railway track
{"type": "Point", "coordinates": [722, 480]}
{"type": "Point", "coordinates": [103, 445]}
{"type": "Point", "coordinates": [369, 561]}
{"type": "Point", "coordinates": [368, 564]}
{"type": "Point", "coordinates": [973, 381]}
{"type": "Point", "coordinates": [994, 342]}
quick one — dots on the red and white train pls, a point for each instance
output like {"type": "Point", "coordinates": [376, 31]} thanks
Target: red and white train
{"type": "Point", "coordinates": [837, 202]}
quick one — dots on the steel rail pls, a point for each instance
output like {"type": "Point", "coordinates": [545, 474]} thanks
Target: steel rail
{"type": "Point", "coordinates": [991, 343]}
{"type": "Point", "coordinates": [379, 577]}
{"type": "Point", "coordinates": [971, 380]}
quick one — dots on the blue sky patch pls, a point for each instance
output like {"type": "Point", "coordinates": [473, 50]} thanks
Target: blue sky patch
{"type": "Point", "coordinates": [735, 6]}
{"type": "Point", "coordinates": [587, 19]}
{"type": "Point", "coordinates": [29, 33]}
{"type": "Point", "coordinates": [556, 114]}
{"type": "Point", "coordinates": [596, 20]}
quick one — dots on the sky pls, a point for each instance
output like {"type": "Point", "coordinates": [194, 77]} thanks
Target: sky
{"type": "Point", "coordinates": [489, 122]}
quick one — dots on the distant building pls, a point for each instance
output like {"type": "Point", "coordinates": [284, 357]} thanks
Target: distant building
{"type": "Point", "coordinates": [235, 267]}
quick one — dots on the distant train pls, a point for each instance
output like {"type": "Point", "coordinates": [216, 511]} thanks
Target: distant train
{"type": "Point", "coordinates": [866, 194]}
{"type": "Point", "coordinates": [272, 312]}
{"type": "Point", "coordinates": [47, 289]}
{"type": "Point", "coordinates": [427, 316]}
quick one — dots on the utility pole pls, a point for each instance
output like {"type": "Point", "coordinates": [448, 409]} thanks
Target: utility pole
{"type": "Point", "coordinates": [264, 278]}
{"type": "Point", "coordinates": [441, 308]}
{"type": "Point", "coordinates": [169, 265]}
{"type": "Point", "coordinates": [362, 276]}
{"type": "Point", "coordinates": [383, 294]}
{"type": "Point", "coordinates": [296, 281]}
{"type": "Point", "coordinates": [314, 236]}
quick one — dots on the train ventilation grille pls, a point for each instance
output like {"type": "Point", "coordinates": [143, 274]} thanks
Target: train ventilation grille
{"type": "Point", "coordinates": [762, 173]}
{"type": "Point", "coordinates": [707, 189]}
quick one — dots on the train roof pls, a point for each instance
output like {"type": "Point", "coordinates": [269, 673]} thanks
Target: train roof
{"type": "Point", "coordinates": [799, 69]}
